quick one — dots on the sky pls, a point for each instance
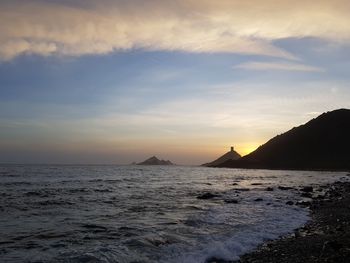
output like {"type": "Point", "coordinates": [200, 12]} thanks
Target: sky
{"type": "Point", "coordinates": [112, 82]}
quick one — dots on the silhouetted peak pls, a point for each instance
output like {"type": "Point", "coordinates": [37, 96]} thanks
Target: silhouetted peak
{"type": "Point", "coordinates": [155, 161]}
{"type": "Point", "coordinates": [231, 155]}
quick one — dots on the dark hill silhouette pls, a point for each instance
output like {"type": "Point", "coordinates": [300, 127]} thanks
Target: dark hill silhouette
{"type": "Point", "coordinates": [321, 144]}
{"type": "Point", "coordinates": [231, 155]}
{"type": "Point", "coordinates": [155, 161]}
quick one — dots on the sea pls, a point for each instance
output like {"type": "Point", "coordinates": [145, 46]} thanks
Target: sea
{"type": "Point", "coordinates": [110, 213]}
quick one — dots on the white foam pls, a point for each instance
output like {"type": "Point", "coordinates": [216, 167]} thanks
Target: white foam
{"type": "Point", "coordinates": [278, 222]}
{"type": "Point", "coordinates": [235, 229]}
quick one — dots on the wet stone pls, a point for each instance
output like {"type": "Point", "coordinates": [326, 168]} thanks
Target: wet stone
{"type": "Point", "coordinates": [207, 196]}
{"type": "Point", "coordinates": [217, 260]}
{"type": "Point", "coordinates": [320, 197]}
{"type": "Point", "coordinates": [303, 203]}
{"type": "Point", "coordinates": [334, 245]}
{"type": "Point", "coordinates": [284, 188]}
{"type": "Point", "coordinates": [94, 227]}
{"type": "Point", "coordinates": [307, 189]}
{"type": "Point", "coordinates": [231, 201]}
{"type": "Point", "coordinates": [307, 195]}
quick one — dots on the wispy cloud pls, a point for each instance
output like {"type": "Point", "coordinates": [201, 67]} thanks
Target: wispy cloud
{"type": "Point", "coordinates": [100, 27]}
{"type": "Point", "coordinates": [193, 130]}
{"type": "Point", "coordinates": [285, 66]}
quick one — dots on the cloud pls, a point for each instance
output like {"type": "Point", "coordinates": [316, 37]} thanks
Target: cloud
{"type": "Point", "coordinates": [74, 28]}
{"type": "Point", "coordinates": [286, 66]}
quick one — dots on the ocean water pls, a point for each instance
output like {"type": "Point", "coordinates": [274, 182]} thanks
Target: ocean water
{"type": "Point", "coordinates": [145, 213]}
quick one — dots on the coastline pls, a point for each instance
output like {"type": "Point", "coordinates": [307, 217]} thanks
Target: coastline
{"type": "Point", "coordinates": [325, 238]}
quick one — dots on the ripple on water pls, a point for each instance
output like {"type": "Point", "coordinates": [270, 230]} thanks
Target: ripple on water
{"type": "Point", "coordinates": [144, 214]}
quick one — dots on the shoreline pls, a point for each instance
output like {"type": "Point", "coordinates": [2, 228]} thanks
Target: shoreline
{"type": "Point", "coordinates": [325, 238]}
{"type": "Point", "coordinates": [301, 169]}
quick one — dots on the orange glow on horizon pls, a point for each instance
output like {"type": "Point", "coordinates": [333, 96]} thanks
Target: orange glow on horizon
{"type": "Point", "coordinates": [247, 148]}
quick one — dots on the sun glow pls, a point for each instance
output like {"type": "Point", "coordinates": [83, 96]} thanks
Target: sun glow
{"type": "Point", "coordinates": [247, 148]}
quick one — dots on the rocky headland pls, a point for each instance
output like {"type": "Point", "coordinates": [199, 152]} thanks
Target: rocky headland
{"type": "Point", "coordinates": [321, 144]}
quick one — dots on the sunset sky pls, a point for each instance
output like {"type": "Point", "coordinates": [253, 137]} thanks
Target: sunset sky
{"type": "Point", "coordinates": [117, 81]}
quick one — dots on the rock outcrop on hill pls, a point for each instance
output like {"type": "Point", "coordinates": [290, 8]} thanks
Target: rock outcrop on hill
{"type": "Point", "coordinates": [321, 144]}
{"type": "Point", "coordinates": [231, 155]}
{"type": "Point", "coordinates": [155, 161]}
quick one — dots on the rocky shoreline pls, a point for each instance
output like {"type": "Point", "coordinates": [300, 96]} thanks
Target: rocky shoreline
{"type": "Point", "coordinates": [326, 238]}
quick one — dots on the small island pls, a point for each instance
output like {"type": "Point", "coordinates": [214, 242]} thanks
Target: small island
{"type": "Point", "coordinates": [155, 161]}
